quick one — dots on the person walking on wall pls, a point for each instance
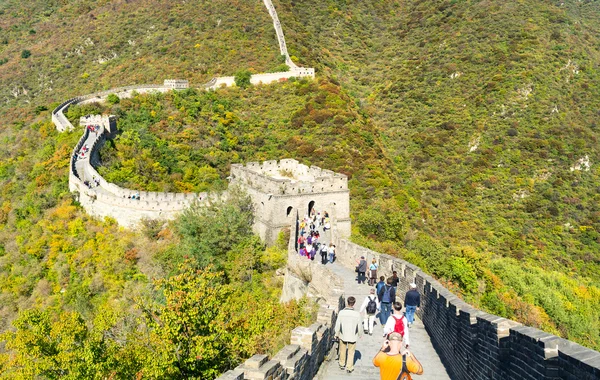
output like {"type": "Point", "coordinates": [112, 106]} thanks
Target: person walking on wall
{"type": "Point", "coordinates": [361, 268]}
{"type": "Point", "coordinates": [394, 362]}
{"type": "Point", "coordinates": [380, 284]}
{"type": "Point", "coordinates": [370, 305]}
{"type": "Point", "coordinates": [347, 329]}
{"type": "Point", "coordinates": [389, 359]}
{"type": "Point", "coordinates": [331, 253]}
{"type": "Point", "coordinates": [412, 302]}
{"type": "Point", "coordinates": [395, 279]}
{"type": "Point", "coordinates": [373, 272]}
{"type": "Point", "coordinates": [397, 323]}
{"type": "Point", "coordinates": [386, 295]}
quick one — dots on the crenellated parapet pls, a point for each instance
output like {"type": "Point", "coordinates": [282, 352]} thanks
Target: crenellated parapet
{"type": "Point", "coordinates": [309, 346]}
{"type": "Point", "coordinates": [288, 177]}
{"type": "Point", "coordinates": [283, 189]}
{"type": "Point", "coordinates": [474, 344]}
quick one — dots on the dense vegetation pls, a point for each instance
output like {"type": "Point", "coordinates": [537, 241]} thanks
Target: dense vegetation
{"type": "Point", "coordinates": [459, 123]}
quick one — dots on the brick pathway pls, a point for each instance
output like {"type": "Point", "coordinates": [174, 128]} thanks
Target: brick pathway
{"type": "Point", "coordinates": [368, 346]}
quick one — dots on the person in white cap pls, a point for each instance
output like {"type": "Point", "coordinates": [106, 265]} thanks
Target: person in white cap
{"type": "Point", "coordinates": [412, 302]}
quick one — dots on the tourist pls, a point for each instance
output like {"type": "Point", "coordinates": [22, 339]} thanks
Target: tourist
{"type": "Point", "coordinates": [412, 302]}
{"type": "Point", "coordinates": [311, 251]}
{"type": "Point", "coordinates": [373, 272]}
{"type": "Point", "coordinates": [389, 359]}
{"type": "Point", "coordinates": [323, 251]}
{"type": "Point", "coordinates": [380, 284]}
{"type": "Point", "coordinates": [331, 253]}
{"type": "Point", "coordinates": [397, 323]}
{"type": "Point", "coordinates": [301, 241]}
{"type": "Point", "coordinates": [370, 305]}
{"type": "Point", "coordinates": [395, 279]}
{"type": "Point", "coordinates": [327, 225]}
{"type": "Point", "coordinates": [361, 269]}
{"type": "Point", "coordinates": [347, 329]}
{"type": "Point", "coordinates": [302, 251]}
{"type": "Point", "coordinates": [386, 295]}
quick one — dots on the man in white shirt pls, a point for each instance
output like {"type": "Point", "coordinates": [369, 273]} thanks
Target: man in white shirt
{"type": "Point", "coordinates": [371, 306]}
{"type": "Point", "coordinates": [390, 325]}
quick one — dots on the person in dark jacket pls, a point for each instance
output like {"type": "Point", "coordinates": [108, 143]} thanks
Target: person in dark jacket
{"type": "Point", "coordinates": [387, 296]}
{"type": "Point", "coordinates": [380, 284]}
{"type": "Point", "coordinates": [395, 279]}
{"type": "Point", "coordinates": [412, 302]}
{"type": "Point", "coordinates": [362, 270]}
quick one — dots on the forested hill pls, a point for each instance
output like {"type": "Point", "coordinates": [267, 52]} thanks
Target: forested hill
{"type": "Point", "coordinates": [466, 128]}
{"type": "Point", "coordinates": [487, 110]}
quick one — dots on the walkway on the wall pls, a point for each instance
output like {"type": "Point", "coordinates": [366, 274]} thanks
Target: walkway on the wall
{"type": "Point", "coordinates": [368, 346]}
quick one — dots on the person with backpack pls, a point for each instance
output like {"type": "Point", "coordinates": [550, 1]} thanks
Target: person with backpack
{"type": "Point", "coordinates": [380, 284]}
{"type": "Point", "coordinates": [386, 295]}
{"type": "Point", "coordinates": [394, 362]}
{"type": "Point", "coordinates": [370, 305]}
{"type": "Point", "coordinates": [397, 323]}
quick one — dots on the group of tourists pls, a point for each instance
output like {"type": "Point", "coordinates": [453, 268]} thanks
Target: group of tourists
{"type": "Point", "coordinates": [361, 269]}
{"type": "Point", "coordinates": [93, 128]}
{"type": "Point", "coordinates": [394, 359]}
{"type": "Point", "coordinates": [95, 182]}
{"type": "Point", "coordinates": [309, 235]}
{"type": "Point", "coordinates": [135, 196]}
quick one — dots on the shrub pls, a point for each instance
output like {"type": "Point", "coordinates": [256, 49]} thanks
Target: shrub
{"type": "Point", "coordinates": [25, 54]}
{"type": "Point", "coordinates": [242, 78]}
{"type": "Point", "coordinates": [113, 99]}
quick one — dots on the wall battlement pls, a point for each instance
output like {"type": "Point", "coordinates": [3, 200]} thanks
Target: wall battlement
{"type": "Point", "coordinates": [176, 83]}
{"type": "Point", "coordinates": [288, 177]}
{"type": "Point", "coordinates": [301, 359]}
{"type": "Point", "coordinates": [474, 344]}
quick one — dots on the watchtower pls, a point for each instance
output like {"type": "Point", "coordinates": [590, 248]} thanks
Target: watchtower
{"type": "Point", "coordinates": [281, 190]}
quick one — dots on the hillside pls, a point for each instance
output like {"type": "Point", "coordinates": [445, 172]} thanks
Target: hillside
{"type": "Point", "coordinates": [485, 107]}
{"type": "Point", "coordinates": [78, 47]}
{"type": "Point", "coordinates": [465, 126]}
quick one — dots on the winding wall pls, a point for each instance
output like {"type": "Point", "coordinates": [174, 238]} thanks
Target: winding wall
{"type": "Point", "coordinates": [108, 199]}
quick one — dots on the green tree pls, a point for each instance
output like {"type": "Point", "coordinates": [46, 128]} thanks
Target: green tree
{"type": "Point", "coordinates": [25, 54]}
{"type": "Point", "coordinates": [113, 99]}
{"type": "Point", "coordinates": [242, 78]}
{"type": "Point", "coordinates": [62, 347]}
{"type": "Point", "coordinates": [189, 333]}
{"type": "Point", "coordinates": [209, 231]}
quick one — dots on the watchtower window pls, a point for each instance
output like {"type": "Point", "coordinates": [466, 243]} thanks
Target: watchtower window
{"type": "Point", "coordinates": [289, 210]}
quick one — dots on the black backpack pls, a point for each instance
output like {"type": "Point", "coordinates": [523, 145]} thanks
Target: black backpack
{"type": "Point", "coordinates": [371, 306]}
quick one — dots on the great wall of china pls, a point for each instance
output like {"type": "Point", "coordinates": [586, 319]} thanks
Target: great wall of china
{"type": "Point", "coordinates": [101, 198]}
{"type": "Point", "coordinates": [471, 343]}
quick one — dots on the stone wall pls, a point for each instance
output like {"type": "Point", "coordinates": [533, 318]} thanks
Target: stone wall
{"type": "Point", "coordinates": [309, 346]}
{"type": "Point", "coordinates": [279, 32]}
{"type": "Point", "coordinates": [477, 345]}
{"type": "Point", "coordinates": [277, 199]}
{"type": "Point", "coordinates": [111, 200]}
